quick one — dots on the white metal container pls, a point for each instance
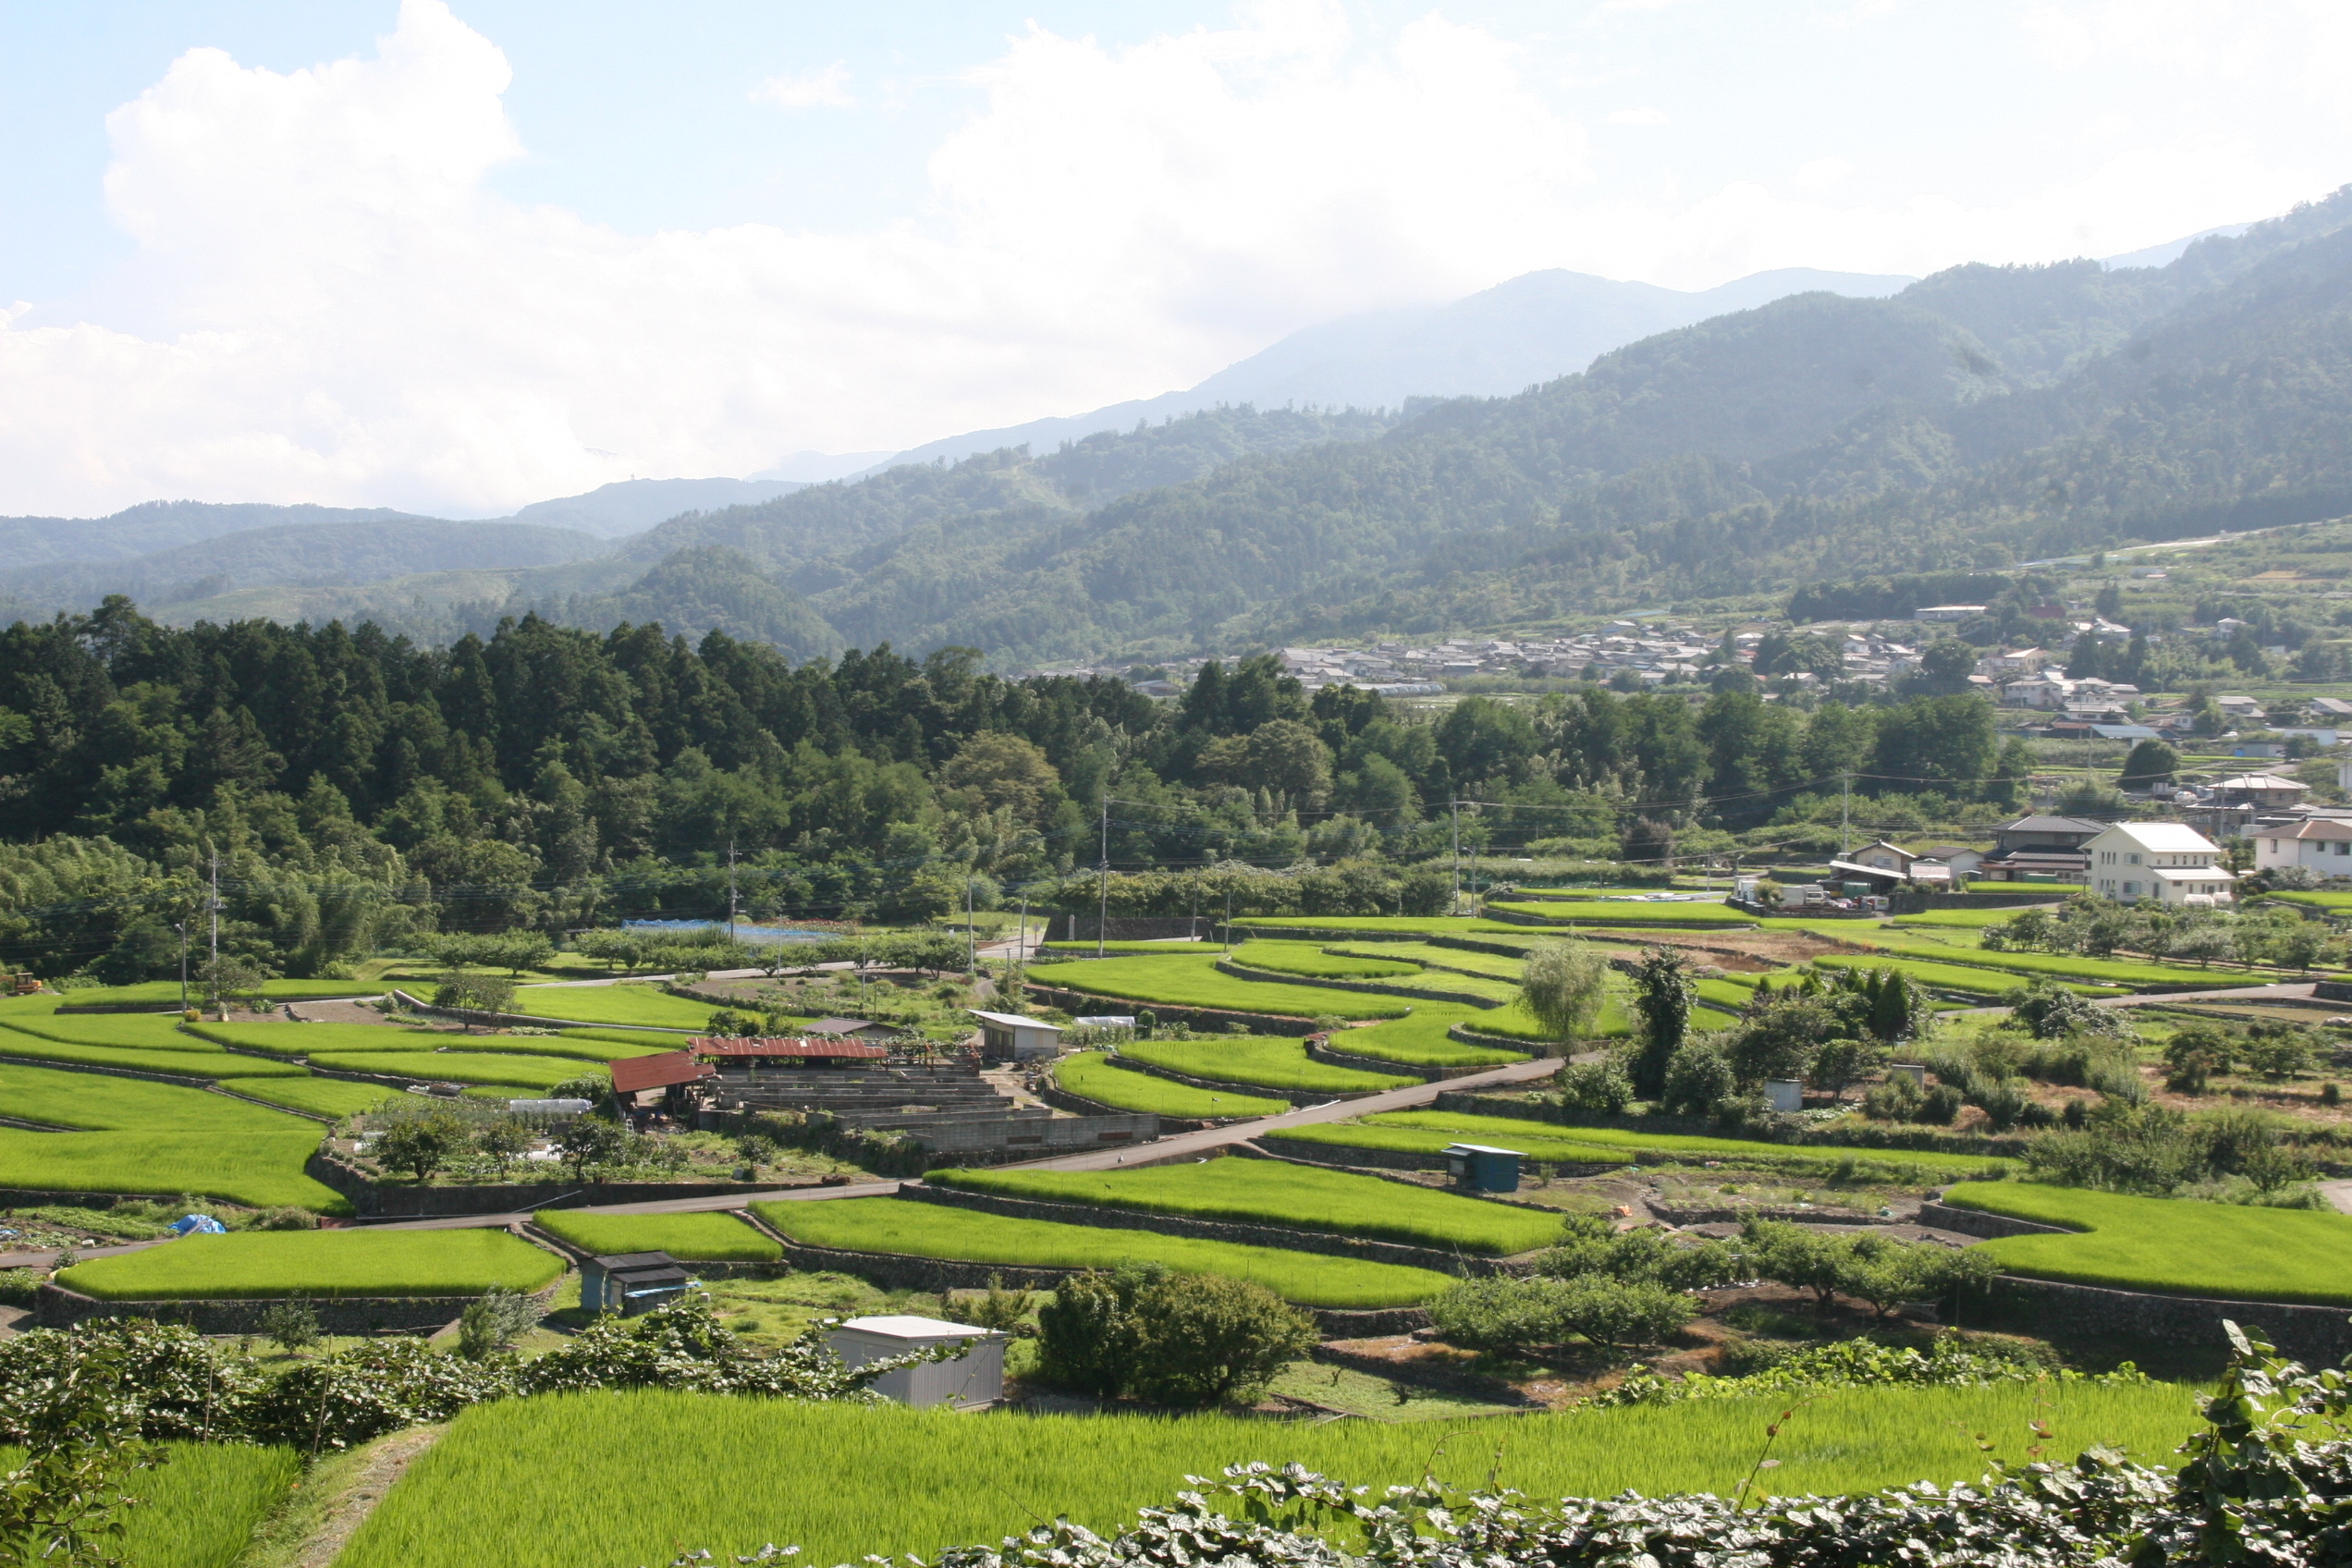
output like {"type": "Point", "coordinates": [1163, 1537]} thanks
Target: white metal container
{"type": "Point", "coordinates": [976, 1378]}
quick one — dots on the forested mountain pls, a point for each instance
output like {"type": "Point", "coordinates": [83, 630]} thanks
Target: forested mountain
{"type": "Point", "coordinates": [155, 525]}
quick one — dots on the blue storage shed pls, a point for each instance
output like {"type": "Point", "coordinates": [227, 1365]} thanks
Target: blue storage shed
{"type": "Point", "coordinates": [1478, 1168]}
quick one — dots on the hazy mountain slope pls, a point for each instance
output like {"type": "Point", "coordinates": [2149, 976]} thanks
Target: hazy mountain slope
{"type": "Point", "coordinates": [1533, 328]}
{"type": "Point", "coordinates": [155, 525]}
{"type": "Point", "coordinates": [698, 590]}
{"type": "Point", "coordinates": [631, 506]}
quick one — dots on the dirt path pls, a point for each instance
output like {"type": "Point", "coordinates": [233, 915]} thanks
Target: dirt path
{"type": "Point", "coordinates": [326, 1519]}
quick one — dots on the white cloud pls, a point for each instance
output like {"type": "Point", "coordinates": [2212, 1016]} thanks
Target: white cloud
{"type": "Point", "coordinates": [333, 306]}
{"type": "Point", "coordinates": [1638, 117]}
{"type": "Point", "coordinates": [827, 89]}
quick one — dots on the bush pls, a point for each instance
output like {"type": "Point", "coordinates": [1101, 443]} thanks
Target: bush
{"type": "Point", "coordinates": [1086, 1338]}
{"type": "Point", "coordinates": [291, 1326]}
{"type": "Point", "coordinates": [2048, 1009]}
{"type": "Point", "coordinates": [19, 1286]}
{"type": "Point", "coordinates": [1896, 1099]}
{"type": "Point", "coordinates": [1939, 1107]}
{"type": "Point", "coordinates": [1205, 1340]}
{"type": "Point", "coordinates": [1697, 1077]}
{"type": "Point", "coordinates": [494, 1321]}
{"type": "Point", "coordinates": [1503, 1313]}
{"type": "Point", "coordinates": [1595, 1087]}
{"type": "Point", "coordinates": [287, 1220]}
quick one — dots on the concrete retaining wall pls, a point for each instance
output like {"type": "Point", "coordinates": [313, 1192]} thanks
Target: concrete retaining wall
{"type": "Point", "coordinates": [2317, 1335]}
{"type": "Point", "coordinates": [1977, 1222]}
{"type": "Point", "coordinates": [57, 1307]}
{"type": "Point", "coordinates": [375, 1200]}
{"type": "Point", "coordinates": [1243, 1233]}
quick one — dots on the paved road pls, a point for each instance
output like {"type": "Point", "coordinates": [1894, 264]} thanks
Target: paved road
{"type": "Point", "coordinates": [2339, 1193]}
{"type": "Point", "coordinates": [2295, 990]}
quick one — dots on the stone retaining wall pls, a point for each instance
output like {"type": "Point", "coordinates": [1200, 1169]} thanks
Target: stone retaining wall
{"type": "Point", "coordinates": [1084, 1003]}
{"type": "Point", "coordinates": [1977, 1222]}
{"type": "Point", "coordinates": [1247, 1234]}
{"type": "Point", "coordinates": [57, 1307]}
{"type": "Point", "coordinates": [1222, 1087]}
{"type": "Point", "coordinates": [1739, 1214]}
{"type": "Point", "coordinates": [377, 1200]}
{"type": "Point", "coordinates": [1331, 1057]}
{"type": "Point", "coordinates": [2317, 1335]}
{"type": "Point", "coordinates": [1464, 1034]}
{"type": "Point", "coordinates": [1060, 1098]}
{"type": "Point", "coordinates": [181, 1079]}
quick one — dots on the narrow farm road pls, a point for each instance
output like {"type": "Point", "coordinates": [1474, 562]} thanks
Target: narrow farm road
{"type": "Point", "coordinates": [2339, 1195]}
{"type": "Point", "coordinates": [1176, 1147]}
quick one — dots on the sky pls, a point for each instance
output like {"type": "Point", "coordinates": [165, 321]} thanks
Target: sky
{"type": "Point", "coordinates": [459, 255]}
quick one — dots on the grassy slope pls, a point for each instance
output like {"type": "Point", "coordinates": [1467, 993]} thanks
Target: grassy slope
{"type": "Point", "coordinates": [96, 1103]}
{"type": "Point", "coordinates": [262, 1169]}
{"type": "Point", "coordinates": [506, 1485]}
{"type": "Point", "coordinates": [1091, 1075]}
{"type": "Point", "coordinates": [1266, 1192]}
{"type": "Point", "coordinates": [1986, 982]}
{"type": "Point", "coordinates": [319, 1263]}
{"type": "Point", "coordinates": [1268, 1063]}
{"type": "Point", "coordinates": [929, 1230]}
{"type": "Point", "coordinates": [698, 1238]}
{"type": "Point", "coordinates": [2172, 1244]}
{"type": "Point", "coordinates": [1194, 982]}
{"type": "Point", "coordinates": [135, 1031]}
{"type": "Point", "coordinates": [161, 993]}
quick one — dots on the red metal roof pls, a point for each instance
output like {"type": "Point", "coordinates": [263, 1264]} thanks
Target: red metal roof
{"type": "Point", "coordinates": [797, 1050]}
{"type": "Point", "coordinates": [658, 1072]}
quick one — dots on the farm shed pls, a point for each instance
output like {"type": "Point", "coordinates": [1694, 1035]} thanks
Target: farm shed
{"type": "Point", "coordinates": [974, 1379]}
{"type": "Point", "coordinates": [1481, 1167]}
{"type": "Point", "coordinates": [667, 1073]}
{"type": "Point", "coordinates": [630, 1282]}
{"type": "Point", "coordinates": [1008, 1036]}
{"type": "Point", "coordinates": [855, 1029]}
{"type": "Point", "coordinates": [828, 1052]}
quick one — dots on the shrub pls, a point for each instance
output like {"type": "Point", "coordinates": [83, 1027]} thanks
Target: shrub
{"type": "Point", "coordinates": [1595, 1087]}
{"type": "Point", "coordinates": [1939, 1107]}
{"type": "Point", "coordinates": [1896, 1099]}
{"type": "Point", "coordinates": [1504, 1312]}
{"type": "Point", "coordinates": [1005, 1311]}
{"type": "Point", "coordinates": [493, 1321]}
{"type": "Point", "coordinates": [291, 1326]}
{"type": "Point", "coordinates": [1697, 1077]}
{"type": "Point", "coordinates": [2048, 1009]}
{"type": "Point", "coordinates": [1086, 1338]}
{"type": "Point", "coordinates": [1203, 1340]}
{"type": "Point", "coordinates": [288, 1219]}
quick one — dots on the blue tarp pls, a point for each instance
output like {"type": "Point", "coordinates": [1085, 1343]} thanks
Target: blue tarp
{"type": "Point", "coordinates": [198, 1225]}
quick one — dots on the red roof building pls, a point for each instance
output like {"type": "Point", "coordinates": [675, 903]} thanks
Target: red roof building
{"type": "Point", "coordinates": [725, 1049]}
{"type": "Point", "coordinates": [639, 1073]}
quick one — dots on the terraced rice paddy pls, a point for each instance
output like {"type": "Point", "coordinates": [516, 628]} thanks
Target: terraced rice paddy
{"type": "Point", "coordinates": [318, 1040]}
{"type": "Point", "coordinates": [2176, 1246]}
{"type": "Point", "coordinates": [196, 1060]}
{"type": "Point", "coordinates": [1091, 1075]}
{"type": "Point", "coordinates": [1985, 984]}
{"type": "Point", "coordinates": [563, 1046]}
{"type": "Point", "coordinates": [319, 1097]}
{"type": "Point", "coordinates": [198, 1508]}
{"type": "Point", "coordinates": [505, 1484]}
{"type": "Point", "coordinates": [163, 994]}
{"type": "Point", "coordinates": [1266, 1063]}
{"type": "Point", "coordinates": [652, 1038]}
{"type": "Point", "coordinates": [1655, 917]}
{"type": "Point", "coordinates": [266, 1264]}
{"type": "Point", "coordinates": [1419, 1039]}
{"type": "Point", "coordinates": [1429, 1132]}
{"type": "Point", "coordinates": [1459, 961]}
{"type": "Point", "coordinates": [95, 1102]}
{"type": "Point", "coordinates": [1310, 959]}
{"type": "Point", "coordinates": [1373, 925]}
{"type": "Point", "coordinates": [1074, 949]}
{"type": "Point", "coordinates": [464, 1067]}
{"type": "Point", "coordinates": [130, 1030]}
{"type": "Point", "coordinates": [1195, 981]}
{"type": "Point", "coordinates": [691, 1237]}
{"type": "Point", "coordinates": [626, 1004]}
{"type": "Point", "coordinates": [922, 1230]}
{"type": "Point", "coordinates": [259, 1169]}
{"type": "Point", "coordinates": [1264, 1192]}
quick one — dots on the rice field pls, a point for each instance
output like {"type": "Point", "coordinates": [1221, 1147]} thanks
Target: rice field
{"type": "Point", "coordinates": [925, 1230]}
{"type": "Point", "coordinates": [1308, 959]}
{"type": "Point", "coordinates": [265, 1264]}
{"type": "Point", "coordinates": [1195, 981]}
{"type": "Point", "coordinates": [200, 1507]}
{"type": "Point", "coordinates": [1260, 1060]}
{"type": "Point", "coordinates": [1457, 960]}
{"type": "Point", "coordinates": [625, 1004]}
{"type": "Point", "coordinates": [93, 1102]}
{"type": "Point", "coordinates": [1091, 1075]}
{"type": "Point", "coordinates": [654, 1039]}
{"type": "Point", "coordinates": [315, 1039]}
{"type": "Point", "coordinates": [464, 1067]}
{"type": "Point", "coordinates": [689, 1238]}
{"type": "Point", "coordinates": [2176, 1245]}
{"type": "Point", "coordinates": [1419, 1039]}
{"type": "Point", "coordinates": [1655, 917]}
{"type": "Point", "coordinates": [1968, 919]}
{"type": "Point", "coordinates": [194, 1059]}
{"type": "Point", "coordinates": [260, 1169]}
{"type": "Point", "coordinates": [318, 1096]}
{"type": "Point", "coordinates": [162, 994]}
{"type": "Point", "coordinates": [1374, 925]}
{"type": "Point", "coordinates": [1985, 983]}
{"type": "Point", "coordinates": [505, 1484]}
{"type": "Point", "coordinates": [1430, 1131]}
{"type": "Point", "coordinates": [1264, 1192]}
{"type": "Point", "coordinates": [2065, 966]}
{"type": "Point", "coordinates": [1616, 1022]}
{"type": "Point", "coordinates": [2335, 904]}
{"type": "Point", "coordinates": [1075, 948]}
{"type": "Point", "coordinates": [138, 1031]}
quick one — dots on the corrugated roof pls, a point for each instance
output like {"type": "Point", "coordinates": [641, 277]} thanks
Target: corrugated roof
{"type": "Point", "coordinates": [1011, 1020]}
{"type": "Point", "coordinates": [637, 1072]}
{"type": "Point", "coordinates": [2261, 781]}
{"type": "Point", "coordinates": [795, 1050]}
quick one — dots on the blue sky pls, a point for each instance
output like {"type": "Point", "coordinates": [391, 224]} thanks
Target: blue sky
{"type": "Point", "coordinates": [467, 254]}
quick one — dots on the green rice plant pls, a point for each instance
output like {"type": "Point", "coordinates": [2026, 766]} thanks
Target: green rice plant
{"type": "Point", "coordinates": [654, 1039]}
{"type": "Point", "coordinates": [2178, 1247]}
{"type": "Point", "coordinates": [163, 994]}
{"type": "Point", "coordinates": [1268, 1063]}
{"type": "Point", "coordinates": [131, 1031]}
{"type": "Point", "coordinates": [200, 1507]}
{"type": "Point", "coordinates": [247, 1265]}
{"type": "Point", "coordinates": [693, 1238]}
{"type": "Point", "coordinates": [624, 1004]}
{"type": "Point", "coordinates": [1302, 1197]}
{"type": "Point", "coordinates": [1453, 961]}
{"type": "Point", "coordinates": [1616, 1022]}
{"type": "Point", "coordinates": [212, 1062]}
{"type": "Point", "coordinates": [313, 1039]}
{"type": "Point", "coordinates": [506, 1485]}
{"type": "Point", "coordinates": [1092, 1075]}
{"type": "Point", "coordinates": [1419, 1039]}
{"type": "Point", "coordinates": [1076, 949]}
{"type": "Point", "coordinates": [1196, 981]}
{"type": "Point", "coordinates": [1968, 980]}
{"type": "Point", "coordinates": [1654, 918]}
{"type": "Point", "coordinates": [1966, 919]}
{"type": "Point", "coordinates": [2335, 904]}
{"type": "Point", "coordinates": [599, 1051]}
{"type": "Point", "coordinates": [2065, 966]}
{"type": "Point", "coordinates": [924, 1230]}
{"type": "Point", "coordinates": [1307, 959]}
{"type": "Point", "coordinates": [92, 1102]}
{"type": "Point", "coordinates": [259, 1169]}
{"type": "Point", "coordinates": [1402, 927]}
{"type": "Point", "coordinates": [318, 1096]}
{"type": "Point", "coordinates": [463, 1067]}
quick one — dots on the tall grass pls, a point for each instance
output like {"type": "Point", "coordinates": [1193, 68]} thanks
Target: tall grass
{"type": "Point", "coordinates": [1091, 1075]}
{"type": "Point", "coordinates": [262, 1169]}
{"type": "Point", "coordinates": [93, 1102]}
{"type": "Point", "coordinates": [613, 1004]}
{"type": "Point", "coordinates": [1196, 981]}
{"type": "Point", "coordinates": [1267, 1193]}
{"type": "Point", "coordinates": [933, 1231]}
{"type": "Point", "coordinates": [508, 1484]}
{"type": "Point", "coordinates": [2176, 1246]}
{"type": "Point", "coordinates": [1271, 1064]}
{"type": "Point", "coordinates": [318, 1263]}
{"type": "Point", "coordinates": [198, 1508]}
{"type": "Point", "coordinates": [698, 1238]}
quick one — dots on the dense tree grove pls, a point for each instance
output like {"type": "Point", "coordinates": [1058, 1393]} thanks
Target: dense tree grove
{"type": "Point", "coordinates": [359, 791]}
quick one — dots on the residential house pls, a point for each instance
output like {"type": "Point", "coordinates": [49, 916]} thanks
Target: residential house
{"type": "Point", "coordinates": [2168, 861]}
{"type": "Point", "coordinates": [2037, 692]}
{"type": "Point", "coordinates": [2321, 844]}
{"type": "Point", "coordinates": [1958, 860]}
{"type": "Point", "coordinates": [2040, 848]}
{"type": "Point", "coordinates": [1884, 856]}
{"type": "Point", "coordinates": [2261, 791]}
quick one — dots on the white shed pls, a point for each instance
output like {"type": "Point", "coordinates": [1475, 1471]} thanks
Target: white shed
{"type": "Point", "coordinates": [1008, 1036]}
{"type": "Point", "coordinates": [976, 1378]}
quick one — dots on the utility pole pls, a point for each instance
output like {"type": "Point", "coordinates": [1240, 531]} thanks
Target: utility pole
{"type": "Point", "coordinates": [1454, 808]}
{"type": "Point", "coordinates": [1229, 918]}
{"type": "Point", "coordinates": [730, 887]}
{"type": "Point", "coordinates": [1021, 943]}
{"type": "Point", "coordinates": [970, 942]}
{"type": "Point", "coordinates": [181, 925]}
{"type": "Point", "coordinates": [1102, 881]}
{"type": "Point", "coordinates": [1846, 815]}
{"type": "Point", "coordinates": [218, 1006]}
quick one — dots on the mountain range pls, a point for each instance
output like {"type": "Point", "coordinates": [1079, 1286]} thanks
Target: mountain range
{"type": "Point", "coordinates": [1971, 419]}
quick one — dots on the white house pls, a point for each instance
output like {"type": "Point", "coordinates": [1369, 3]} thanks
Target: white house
{"type": "Point", "coordinates": [1008, 1036]}
{"type": "Point", "coordinates": [2168, 861]}
{"type": "Point", "coordinates": [2322, 844]}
